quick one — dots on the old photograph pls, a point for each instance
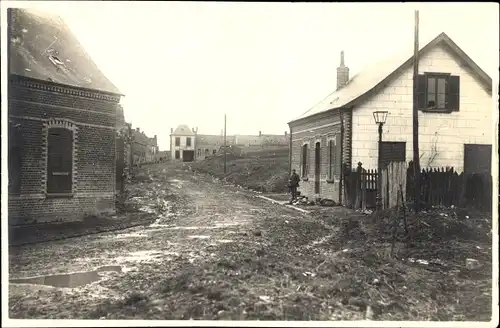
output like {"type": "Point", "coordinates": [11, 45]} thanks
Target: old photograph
{"type": "Point", "coordinates": [249, 162]}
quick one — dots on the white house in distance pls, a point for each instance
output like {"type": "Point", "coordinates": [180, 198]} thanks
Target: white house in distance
{"type": "Point", "coordinates": [182, 143]}
{"type": "Point", "coordinates": [455, 118]}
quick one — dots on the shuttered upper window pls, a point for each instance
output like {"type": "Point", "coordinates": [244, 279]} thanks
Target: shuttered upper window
{"type": "Point", "coordinates": [60, 161]}
{"type": "Point", "coordinates": [438, 92]}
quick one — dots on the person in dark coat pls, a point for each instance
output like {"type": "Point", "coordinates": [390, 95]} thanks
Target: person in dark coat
{"type": "Point", "coordinates": [294, 184]}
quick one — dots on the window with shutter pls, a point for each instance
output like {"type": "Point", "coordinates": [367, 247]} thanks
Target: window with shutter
{"type": "Point", "coordinates": [177, 141]}
{"type": "Point", "coordinates": [438, 92]}
{"type": "Point", "coordinates": [60, 161]}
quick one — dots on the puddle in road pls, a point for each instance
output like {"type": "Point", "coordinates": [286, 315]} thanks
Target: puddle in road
{"type": "Point", "coordinates": [69, 280]}
{"type": "Point", "coordinates": [198, 237]}
{"type": "Point", "coordinates": [147, 209]}
{"type": "Point", "coordinates": [131, 235]}
{"type": "Point", "coordinates": [146, 256]}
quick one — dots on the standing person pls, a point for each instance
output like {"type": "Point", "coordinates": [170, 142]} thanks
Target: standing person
{"type": "Point", "coordinates": [294, 184]}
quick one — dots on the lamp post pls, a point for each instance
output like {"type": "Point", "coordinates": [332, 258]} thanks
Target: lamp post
{"type": "Point", "coordinates": [380, 117]}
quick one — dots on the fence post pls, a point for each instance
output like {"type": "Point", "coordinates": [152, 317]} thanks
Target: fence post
{"type": "Point", "coordinates": [358, 186]}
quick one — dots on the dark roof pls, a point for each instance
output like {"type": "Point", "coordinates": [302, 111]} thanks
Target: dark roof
{"type": "Point", "coordinates": [370, 79]}
{"type": "Point", "coordinates": [44, 48]}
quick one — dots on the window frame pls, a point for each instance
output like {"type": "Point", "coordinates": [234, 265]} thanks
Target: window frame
{"type": "Point", "coordinates": [304, 160]}
{"type": "Point", "coordinates": [436, 77]}
{"type": "Point", "coordinates": [15, 158]}
{"type": "Point", "coordinates": [188, 141]}
{"type": "Point", "coordinates": [177, 144]}
{"type": "Point", "coordinates": [60, 123]}
{"type": "Point", "coordinates": [451, 93]}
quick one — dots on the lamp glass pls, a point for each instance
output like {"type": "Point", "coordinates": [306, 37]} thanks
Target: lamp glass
{"type": "Point", "coordinates": [380, 116]}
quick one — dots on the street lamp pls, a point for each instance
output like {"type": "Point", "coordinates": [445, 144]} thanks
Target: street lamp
{"type": "Point", "coordinates": [380, 117]}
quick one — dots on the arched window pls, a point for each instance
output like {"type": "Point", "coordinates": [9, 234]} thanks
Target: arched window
{"type": "Point", "coordinates": [15, 158]}
{"type": "Point", "coordinates": [60, 156]}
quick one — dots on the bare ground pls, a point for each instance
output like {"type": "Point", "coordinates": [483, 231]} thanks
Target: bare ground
{"type": "Point", "coordinates": [218, 252]}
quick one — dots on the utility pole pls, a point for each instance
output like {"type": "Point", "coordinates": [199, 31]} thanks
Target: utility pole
{"type": "Point", "coordinates": [416, 157]}
{"type": "Point", "coordinates": [225, 150]}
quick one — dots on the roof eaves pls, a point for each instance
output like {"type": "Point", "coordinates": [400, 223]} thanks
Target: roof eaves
{"type": "Point", "coordinates": [68, 85]}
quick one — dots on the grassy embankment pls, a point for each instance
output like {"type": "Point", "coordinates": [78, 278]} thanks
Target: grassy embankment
{"type": "Point", "coordinates": [265, 170]}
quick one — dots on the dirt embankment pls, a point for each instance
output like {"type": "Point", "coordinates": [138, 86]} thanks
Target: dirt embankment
{"type": "Point", "coordinates": [265, 171]}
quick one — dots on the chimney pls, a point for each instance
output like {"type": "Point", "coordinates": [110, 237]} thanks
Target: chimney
{"type": "Point", "coordinates": [260, 133]}
{"type": "Point", "coordinates": [192, 129]}
{"type": "Point", "coordinates": [342, 72]}
{"type": "Point", "coordinates": [138, 129]}
{"type": "Point", "coordinates": [286, 133]}
{"type": "Point", "coordinates": [171, 130]}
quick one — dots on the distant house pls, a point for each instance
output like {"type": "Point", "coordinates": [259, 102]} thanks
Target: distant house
{"type": "Point", "coordinates": [124, 156]}
{"type": "Point", "coordinates": [144, 148]}
{"type": "Point", "coordinates": [182, 143]}
{"type": "Point", "coordinates": [62, 113]}
{"type": "Point", "coordinates": [455, 129]}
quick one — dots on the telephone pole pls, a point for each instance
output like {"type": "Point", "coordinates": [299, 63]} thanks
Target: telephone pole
{"type": "Point", "coordinates": [416, 157]}
{"type": "Point", "coordinates": [225, 150]}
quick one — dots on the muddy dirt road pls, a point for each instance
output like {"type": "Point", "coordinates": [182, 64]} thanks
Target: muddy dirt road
{"type": "Point", "coordinates": [197, 218]}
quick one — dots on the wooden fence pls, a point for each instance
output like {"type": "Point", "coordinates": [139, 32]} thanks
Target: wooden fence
{"type": "Point", "coordinates": [445, 187]}
{"type": "Point", "coordinates": [438, 187]}
{"type": "Point", "coordinates": [360, 187]}
{"type": "Point", "coordinates": [393, 184]}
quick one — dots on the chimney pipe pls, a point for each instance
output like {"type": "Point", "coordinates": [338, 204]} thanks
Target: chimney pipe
{"type": "Point", "coordinates": [342, 72]}
{"type": "Point", "coordinates": [286, 133]}
{"type": "Point", "coordinates": [138, 129]}
{"type": "Point", "coordinates": [171, 130]}
{"type": "Point", "coordinates": [260, 133]}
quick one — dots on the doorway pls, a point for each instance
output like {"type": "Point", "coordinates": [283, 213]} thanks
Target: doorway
{"type": "Point", "coordinates": [188, 155]}
{"type": "Point", "coordinates": [317, 167]}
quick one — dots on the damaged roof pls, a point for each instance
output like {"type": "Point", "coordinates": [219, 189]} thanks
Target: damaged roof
{"type": "Point", "coordinates": [44, 48]}
{"type": "Point", "coordinates": [367, 81]}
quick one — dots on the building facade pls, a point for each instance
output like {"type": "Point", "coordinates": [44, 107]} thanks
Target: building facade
{"type": "Point", "coordinates": [144, 148]}
{"type": "Point", "coordinates": [62, 115]}
{"type": "Point", "coordinates": [182, 144]}
{"type": "Point", "coordinates": [455, 129]}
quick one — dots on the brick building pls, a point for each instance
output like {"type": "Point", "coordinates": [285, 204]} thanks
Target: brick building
{"type": "Point", "coordinates": [62, 116]}
{"type": "Point", "coordinates": [455, 129]}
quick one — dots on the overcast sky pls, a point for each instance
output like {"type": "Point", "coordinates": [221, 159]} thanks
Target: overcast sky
{"type": "Point", "coordinates": [263, 64]}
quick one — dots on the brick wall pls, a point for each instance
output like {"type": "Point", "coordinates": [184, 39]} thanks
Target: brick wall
{"type": "Point", "coordinates": [94, 163]}
{"type": "Point", "coordinates": [321, 129]}
{"type": "Point", "coordinates": [441, 135]}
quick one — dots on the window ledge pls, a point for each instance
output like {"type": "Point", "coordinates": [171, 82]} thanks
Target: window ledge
{"type": "Point", "coordinates": [436, 110]}
{"type": "Point", "coordinates": [59, 195]}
